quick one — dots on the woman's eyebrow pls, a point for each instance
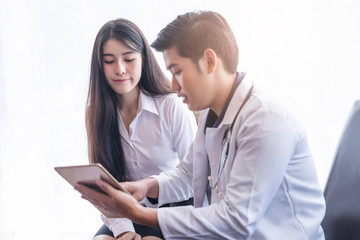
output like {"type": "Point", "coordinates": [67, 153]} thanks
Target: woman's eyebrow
{"type": "Point", "coordinates": [111, 55]}
{"type": "Point", "coordinates": [129, 52]}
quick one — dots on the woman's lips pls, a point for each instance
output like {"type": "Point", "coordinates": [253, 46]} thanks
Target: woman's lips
{"type": "Point", "coordinates": [120, 80]}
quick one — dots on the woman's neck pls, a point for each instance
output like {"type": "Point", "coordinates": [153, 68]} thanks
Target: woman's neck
{"type": "Point", "coordinates": [128, 106]}
{"type": "Point", "coordinates": [129, 101]}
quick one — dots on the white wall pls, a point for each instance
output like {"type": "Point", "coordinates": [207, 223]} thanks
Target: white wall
{"type": "Point", "coordinates": [305, 53]}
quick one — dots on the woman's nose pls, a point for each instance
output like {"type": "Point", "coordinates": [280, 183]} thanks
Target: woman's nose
{"type": "Point", "coordinates": [120, 68]}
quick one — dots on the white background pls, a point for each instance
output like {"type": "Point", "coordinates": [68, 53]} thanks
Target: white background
{"type": "Point", "coordinates": [305, 53]}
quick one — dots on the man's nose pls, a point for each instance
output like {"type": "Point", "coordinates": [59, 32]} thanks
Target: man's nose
{"type": "Point", "coordinates": [175, 84]}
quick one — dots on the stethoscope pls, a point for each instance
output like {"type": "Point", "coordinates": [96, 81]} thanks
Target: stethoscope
{"type": "Point", "coordinates": [225, 146]}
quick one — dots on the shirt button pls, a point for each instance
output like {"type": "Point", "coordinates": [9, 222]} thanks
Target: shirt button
{"type": "Point", "coordinates": [220, 194]}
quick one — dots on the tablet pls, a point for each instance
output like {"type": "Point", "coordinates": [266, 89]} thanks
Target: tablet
{"type": "Point", "coordinates": [88, 175]}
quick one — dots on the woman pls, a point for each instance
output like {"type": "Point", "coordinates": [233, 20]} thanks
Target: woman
{"type": "Point", "coordinates": [136, 125]}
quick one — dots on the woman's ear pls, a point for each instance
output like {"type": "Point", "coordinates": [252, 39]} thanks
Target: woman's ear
{"type": "Point", "coordinates": [211, 60]}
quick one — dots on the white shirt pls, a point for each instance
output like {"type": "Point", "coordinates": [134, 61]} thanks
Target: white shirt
{"type": "Point", "coordinates": [161, 134]}
{"type": "Point", "coordinates": [268, 189]}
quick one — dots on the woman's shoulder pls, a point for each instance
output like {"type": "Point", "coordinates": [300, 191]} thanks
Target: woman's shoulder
{"type": "Point", "coordinates": [170, 99]}
{"type": "Point", "coordinates": [171, 105]}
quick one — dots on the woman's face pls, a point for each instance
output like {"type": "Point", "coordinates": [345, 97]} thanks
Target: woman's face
{"type": "Point", "coordinates": [122, 66]}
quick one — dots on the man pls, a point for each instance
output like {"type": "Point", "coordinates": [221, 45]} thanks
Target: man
{"type": "Point", "coordinates": [250, 159]}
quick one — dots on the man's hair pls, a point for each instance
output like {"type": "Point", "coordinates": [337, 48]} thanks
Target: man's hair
{"type": "Point", "coordinates": [192, 33]}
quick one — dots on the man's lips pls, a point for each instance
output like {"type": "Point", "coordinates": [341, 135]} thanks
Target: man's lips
{"type": "Point", "coordinates": [185, 99]}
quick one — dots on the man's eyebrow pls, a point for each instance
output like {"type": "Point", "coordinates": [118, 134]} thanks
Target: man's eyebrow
{"type": "Point", "coordinates": [171, 66]}
{"type": "Point", "coordinates": [125, 53]}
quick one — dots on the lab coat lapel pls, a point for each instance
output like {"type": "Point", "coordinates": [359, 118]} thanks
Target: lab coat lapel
{"type": "Point", "coordinates": [211, 143]}
{"type": "Point", "coordinates": [236, 101]}
{"type": "Point", "coordinates": [200, 169]}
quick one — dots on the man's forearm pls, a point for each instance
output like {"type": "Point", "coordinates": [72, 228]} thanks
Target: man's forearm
{"type": "Point", "coordinates": [153, 187]}
{"type": "Point", "coordinates": [143, 215]}
{"type": "Point", "coordinates": [146, 216]}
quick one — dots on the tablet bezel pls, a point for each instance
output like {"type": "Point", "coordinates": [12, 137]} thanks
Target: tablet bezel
{"type": "Point", "coordinates": [88, 175]}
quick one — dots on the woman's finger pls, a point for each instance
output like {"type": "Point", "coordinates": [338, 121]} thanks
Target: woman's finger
{"type": "Point", "coordinates": [130, 236]}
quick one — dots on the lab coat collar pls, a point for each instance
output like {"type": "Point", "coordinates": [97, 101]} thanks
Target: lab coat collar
{"type": "Point", "coordinates": [236, 100]}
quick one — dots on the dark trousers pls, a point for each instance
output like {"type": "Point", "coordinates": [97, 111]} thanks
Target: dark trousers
{"type": "Point", "coordinates": [142, 230]}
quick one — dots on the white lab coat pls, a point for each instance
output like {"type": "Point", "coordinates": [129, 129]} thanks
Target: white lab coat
{"type": "Point", "coordinates": [268, 188]}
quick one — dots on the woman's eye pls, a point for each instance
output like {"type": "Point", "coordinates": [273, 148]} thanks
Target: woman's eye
{"type": "Point", "coordinates": [177, 72]}
{"type": "Point", "coordinates": [130, 60]}
{"type": "Point", "coordinates": [109, 62]}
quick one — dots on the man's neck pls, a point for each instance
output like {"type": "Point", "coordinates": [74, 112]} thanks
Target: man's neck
{"type": "Point", "coordinates": [225, 84]}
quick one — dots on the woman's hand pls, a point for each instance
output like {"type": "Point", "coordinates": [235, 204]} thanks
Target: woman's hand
{"type": "Point", "coordinates": [129, 236]}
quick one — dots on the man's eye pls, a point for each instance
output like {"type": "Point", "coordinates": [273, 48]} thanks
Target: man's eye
{"type": "Point", "coordinates": [177, 72]}
{"type": "Point", "coordinates": [130, 60]}
{"type": "Point", "coordinates": [108, 62]}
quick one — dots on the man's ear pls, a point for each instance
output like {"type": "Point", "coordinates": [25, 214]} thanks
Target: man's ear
{"type": "Point", "coordinates": [211, 60]}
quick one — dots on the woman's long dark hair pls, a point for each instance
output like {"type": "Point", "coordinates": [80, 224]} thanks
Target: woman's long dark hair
{"type": "Point", "coordinates": [104, 140]}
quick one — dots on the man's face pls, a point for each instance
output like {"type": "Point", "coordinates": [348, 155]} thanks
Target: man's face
{"type": "Point", "coordinates": [190, 82]}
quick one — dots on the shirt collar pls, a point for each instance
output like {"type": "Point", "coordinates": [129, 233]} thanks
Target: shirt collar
{"type": "Point", "coordinates": [147, 103]}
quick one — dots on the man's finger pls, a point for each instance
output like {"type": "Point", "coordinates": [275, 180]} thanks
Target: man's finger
{"type": "Point", "coordinates": [90, 194]}
{"type": "Point", "coordinates": [107, 188]}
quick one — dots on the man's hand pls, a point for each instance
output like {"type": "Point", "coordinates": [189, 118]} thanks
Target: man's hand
{"type": "Point", "coordinates": [116, 203]}
{"type": "Point", "coordinates": [148, 187]}
{"type": "Point", "coordinates": [112, 203]}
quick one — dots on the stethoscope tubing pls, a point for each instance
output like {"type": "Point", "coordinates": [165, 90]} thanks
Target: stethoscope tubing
{"type": "Point", "coordinates": [225, 143]}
